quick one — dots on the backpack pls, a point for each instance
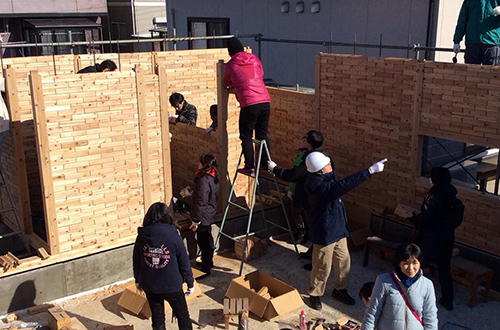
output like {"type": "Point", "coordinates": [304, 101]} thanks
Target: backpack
{"type": "Point", "coordinates": [455, 214]}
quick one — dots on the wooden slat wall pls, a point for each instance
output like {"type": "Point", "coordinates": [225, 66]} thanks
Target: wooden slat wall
{"type": "Point", "coordinates": [371, 108]}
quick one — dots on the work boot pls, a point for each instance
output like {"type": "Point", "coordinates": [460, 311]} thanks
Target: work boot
{"type": "Point", "coordinates": [315, 302]}
{"type": "Point", "coordinates": [308, 254]}
{"type": "Point", "coordinates": [343, 297]}
{"type": "Point", "coordinates": [160, 327]}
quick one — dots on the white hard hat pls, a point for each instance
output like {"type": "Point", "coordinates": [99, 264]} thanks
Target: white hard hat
{"type": "Point", "coordinates": [315, 161]}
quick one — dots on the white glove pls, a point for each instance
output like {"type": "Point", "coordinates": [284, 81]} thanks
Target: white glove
{"type": "Point", "coordinates": [173, 116]}
{"type": "Point", "coordinates": [496, 11]}
{"type": "Point", "coordinates": [186, 192]}
{"type": "Point", "coordinates": [289, 194]}
{"type": "Point", "coordinates": [456, 47]}
{"type": "Point", "coordinates": [377, 167]}
{"type": "Point", "coordinates": [138, 287]}
{"type": "Point", "coordinates": [189, 291]}
{"type": "Point", "coordinates": [271, 165]}
{"type": "Point", "coordinates": [193, 226]}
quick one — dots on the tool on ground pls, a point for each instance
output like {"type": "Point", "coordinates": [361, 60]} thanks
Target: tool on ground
{"type": "Point", "coordinates": [255, 191]}
{"type": "Point", "coordinates": [309, 323]}
{"type": "Point", "coordinates": [243, 320]}
{"type": "Point", "coordinates": [302, 320]}
{"type": "Point", "coordinates": [198, 324]}
{"type": "Point", "coordinates": [318, 322]}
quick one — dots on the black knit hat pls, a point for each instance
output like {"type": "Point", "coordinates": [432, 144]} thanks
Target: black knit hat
{"type": "Point", "coordinates": [234, 46]}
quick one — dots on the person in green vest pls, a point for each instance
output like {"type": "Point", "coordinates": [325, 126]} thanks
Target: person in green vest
{"type": "Point", "coordinates": [479, 22]}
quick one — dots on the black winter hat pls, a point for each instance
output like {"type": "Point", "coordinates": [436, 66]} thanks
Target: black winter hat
{"type": "Point", "coordinates": [234, 46]}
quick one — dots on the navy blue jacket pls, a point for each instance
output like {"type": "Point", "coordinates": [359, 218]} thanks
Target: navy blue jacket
{"type": "Point", "coordinates": [160, 261]}
{"type": "Point", "coordinates": [328, 217]}
{"type": "Point", "coordinates": [204, 205]}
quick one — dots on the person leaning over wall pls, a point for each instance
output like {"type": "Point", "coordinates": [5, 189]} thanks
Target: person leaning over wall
{"type": "Point", "coordinates": [213, 117]}
{"type": "Point", "coordinates": [184, 112]}
{"type": "Point", "coordinates": [244, 73]}
{"type": "Point", "coordinates": [403, 299]}
{"type": "Point", "coordinates": [161, 265]}
{"type": "Point", "coordinates": [105, 66]}
{"type": "Point", "coordinates": [479, 21]}
{"type": "Point", "coordinates": [329, 225]}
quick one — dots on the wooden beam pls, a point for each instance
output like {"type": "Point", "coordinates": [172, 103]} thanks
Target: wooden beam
{"type": "Point", "coordinates": [77, 62]}
{"type": "Point", "coordinates": [154, 64]}
{"type": "Point", "coordinates": [222, 98]}
{"type": "Point", "coordinates": [42, 145]}
{"type": "Point", "coordinates": [165, 136]}
{"type": "Point", "coordinates": [22, 187]}
{"type": "Point", "coordinates": [415, 153]}
{"type": "Point", "coordinates": [143, 136]}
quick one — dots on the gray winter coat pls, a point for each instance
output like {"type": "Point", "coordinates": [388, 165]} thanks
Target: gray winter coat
{"type": "Point", "coordinates": [388, 311]}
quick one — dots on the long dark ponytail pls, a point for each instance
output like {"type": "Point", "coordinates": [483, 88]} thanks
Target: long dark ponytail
{"type": "Point", "coordinates": [209, 164]}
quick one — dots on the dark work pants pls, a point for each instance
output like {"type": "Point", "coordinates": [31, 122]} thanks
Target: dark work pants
{"type": "Point", "coordinates": [482, 54]}
{"type": "Point", "coordinates": [206, 244]}
{"type": "Point", "coordinates": [444, 269]}
{"type": "Point", "coordinates": [254, 117]}
{"type": "Point", "coordinates": [177, 301]}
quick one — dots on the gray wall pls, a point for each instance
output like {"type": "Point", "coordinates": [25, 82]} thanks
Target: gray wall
{"type": "Point", "coordinates": [290, 63]}
{"type": "Point", "coordinates": [52, 6]}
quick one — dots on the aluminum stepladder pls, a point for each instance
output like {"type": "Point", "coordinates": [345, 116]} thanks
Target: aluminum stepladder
{"type": "Point", "coordinates": [255, 191]}
{"type": "Point", "coordinates": [4, 188]}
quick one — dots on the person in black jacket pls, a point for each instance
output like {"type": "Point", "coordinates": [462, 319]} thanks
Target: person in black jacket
{"type": "Point", "coordinates": [329, 225]}
{"type": "Point", "coordinates": [161, 265]}
{"type": "Point", "coordinates": [204, 208]}
{"type": "Point", "coordinates": [312, 141]}
{"type": "Point", "coordinates": [105, 66]}
{"type": "Point", "coordinates": [184, 112]}
{"type": "Point", "coordinates": [435, 233]}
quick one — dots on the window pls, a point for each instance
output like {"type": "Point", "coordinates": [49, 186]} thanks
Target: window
{"type": "Point", "coordinates": [202, 27]}
{"type": "Point", "coordinates": [471, 165]}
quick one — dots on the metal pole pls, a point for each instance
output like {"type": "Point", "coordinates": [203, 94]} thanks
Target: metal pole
{"type": "Point", "coordinates": [497, 177]}
{"type": "Point", "coordinates": [119, 58]}
{"type": "Point", "coordinates": [380, 48]}
{"type": "Point", "coordinates": [354, 50]}
{"type": "Point", "coordinates": [408, 50]}
{"type": "Point", "coordinates": [417, 52]}
{"type": "Point", "coordinates": [110, 44]}
{"type": "Point", "coordinates": [175, 36]}
{"type": "Point", "coordinates": [54, 60]}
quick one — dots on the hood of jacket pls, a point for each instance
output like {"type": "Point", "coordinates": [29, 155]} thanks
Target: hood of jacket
{"type": "Point", "coordinates": [156, 233]}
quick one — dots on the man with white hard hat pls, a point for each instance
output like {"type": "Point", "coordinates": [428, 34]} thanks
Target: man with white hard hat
{"type": "Point", "coordinates": [329, 225]}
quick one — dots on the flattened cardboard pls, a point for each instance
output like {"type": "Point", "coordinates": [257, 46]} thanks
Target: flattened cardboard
{"type": "Point", "coordinates": [284, 298]}
{"type": "Point", "coordinates": [136, 302]}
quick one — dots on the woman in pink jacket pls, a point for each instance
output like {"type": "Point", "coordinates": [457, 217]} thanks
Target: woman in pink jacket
{"type": "Point", "coordinates": [244, 73]}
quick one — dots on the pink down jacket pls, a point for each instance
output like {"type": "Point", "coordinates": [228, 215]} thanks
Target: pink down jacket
{"type": "Point", "coordinates": [244, 73]}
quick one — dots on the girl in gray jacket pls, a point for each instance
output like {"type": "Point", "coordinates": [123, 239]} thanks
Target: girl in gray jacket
{"type": "Point", "coordinates": [403, 299]}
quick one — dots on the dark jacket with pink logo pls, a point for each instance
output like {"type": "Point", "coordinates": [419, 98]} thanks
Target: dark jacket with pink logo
{"type": "Point", "coordinates": [160, 261]}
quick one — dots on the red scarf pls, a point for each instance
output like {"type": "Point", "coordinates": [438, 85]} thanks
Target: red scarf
{"type": "Point", "coordinates": [209, 172]}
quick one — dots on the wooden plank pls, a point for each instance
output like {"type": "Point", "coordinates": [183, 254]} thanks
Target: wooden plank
{"type": "Point", "coordinates": [42, 253]}
{"type": "Point", "coordinates": [415, 125]}
{"type": "Point", "coordinates": [77, 62]}
{"type": "Point", "coordinates": [143, 136]}
{"type": "Point", "coordinates": [39, 308]}
{"type": "Point", "coordinates": [24, 209]}
{"type": "Point", "coordinates": [165, 136]}
{"type": "Point", "coordinates": [42, 145]}
{"type": "Point", "coordinates": [222, 98]}
{"type": "Point", "coordinates": [226, 306]}
{"type": "Point", "coordinates": [58, 318]}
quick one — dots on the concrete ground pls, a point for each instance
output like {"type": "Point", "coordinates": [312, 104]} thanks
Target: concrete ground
{"type": "Point", "coordinates": [99, 309]}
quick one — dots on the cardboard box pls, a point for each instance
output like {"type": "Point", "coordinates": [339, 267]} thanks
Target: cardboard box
{"type": "Point", "coordinates": [135, 301]}
{"type": "Point", "coordinates": [284, 298]}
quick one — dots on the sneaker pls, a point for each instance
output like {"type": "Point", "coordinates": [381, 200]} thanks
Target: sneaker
{"type": "Point", "coordinates": [446, 304]}
{"type": "Point", "coordinates": [343, 297]}
{"type": "Point", "coordinates": [247, 171]}
{"type": "Point", "coordinates": [315, 302]}
{"type": "Point", "coordinates": [308, 266]}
